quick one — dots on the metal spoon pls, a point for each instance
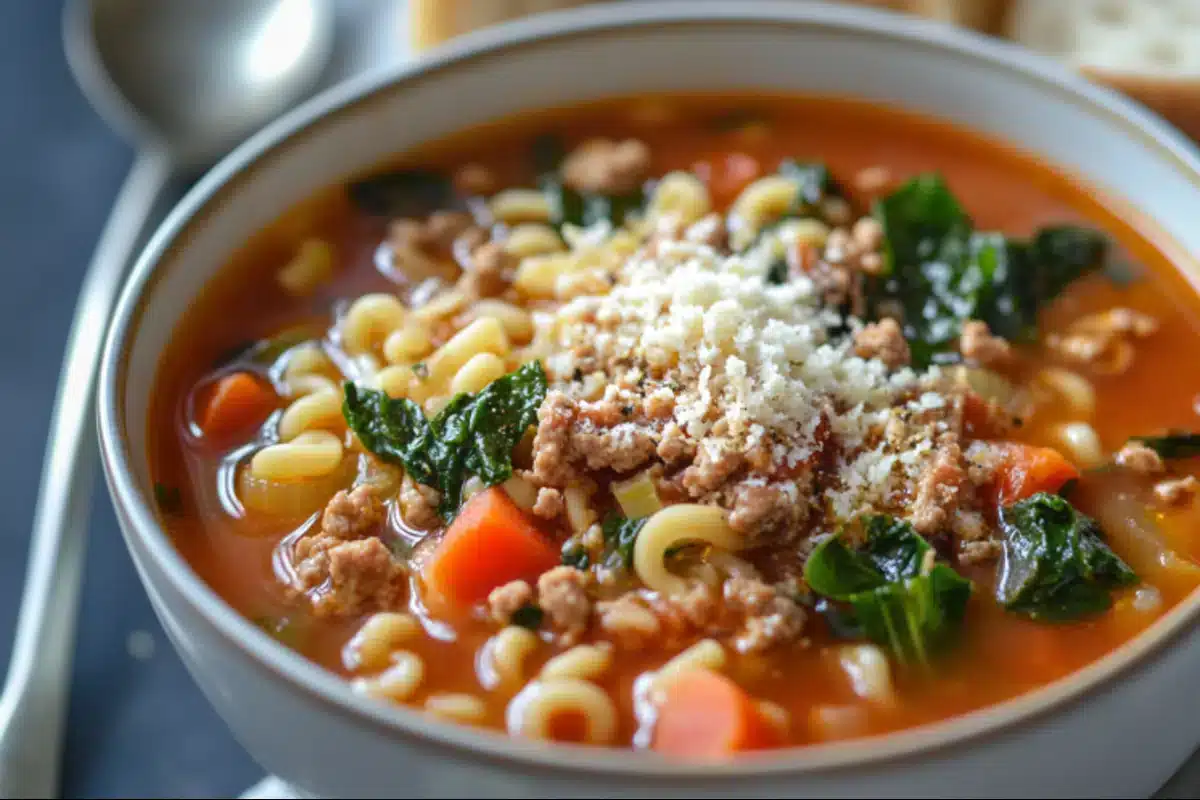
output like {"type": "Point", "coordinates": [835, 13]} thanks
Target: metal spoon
{"type": "Point", "coordinates": [186, 79]}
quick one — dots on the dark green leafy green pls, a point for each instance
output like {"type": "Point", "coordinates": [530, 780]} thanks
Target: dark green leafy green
{"type": "Point", "coordinates": [1056, 566]}
{"type": "Point", "coordinates": [568, 206]}
{"type": "Point", "coordinates": [474, 435]}
{"type": "Point", "coordinates": [168, 499]}
{"type": "Point", "coordinates": [528, 616]}
{"type": "Point", "coordinates": [575, 555]}
{"type": "Point", "coordinates": [620, 535]}
{"type": "Point", "coordinates": [1175, 444]}
{"type": "Point", "coordinates": [942, 272]}
{"type": "Point", "coordinates": [891, 589]}
{"type": "Point", "coordinates": [403, 193]}
{"type": "Point", "coordinates": [777, 273]}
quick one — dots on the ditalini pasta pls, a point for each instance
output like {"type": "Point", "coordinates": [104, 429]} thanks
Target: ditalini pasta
{"type": "Point", "coordinates": [700, 425]}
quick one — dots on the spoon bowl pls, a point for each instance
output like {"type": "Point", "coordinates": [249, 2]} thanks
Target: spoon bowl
{"type": "Point", "coordinates": [194, 78]}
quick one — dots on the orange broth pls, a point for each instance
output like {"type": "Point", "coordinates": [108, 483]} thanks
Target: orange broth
{"type": "Point", "coordinates": [1000, 656]}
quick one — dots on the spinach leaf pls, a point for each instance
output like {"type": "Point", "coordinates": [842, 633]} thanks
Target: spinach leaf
{"type": "Point", "coordinates": [1055, 566]}
{"type": "Point", "coordinates": [890, 589]}
{"type": "Point", "coordinates": [474, 435]}
{"type": "Point", "coordinates": [528, 616]}
{"type": "Point", "coordinates": [942, 272]}
{"type": "Point", "coordinates": [168, 499]}
{"type": "Point", "coordinates": [1175, 444]}
{"type": "Point", "coordinates": [620, 534]}
{"type": "Point", "coordinates": [914, 617]}
{"type": "Point", "coordinates": [403, 193]}
{"type": "Point", "coordinates": [777, 273]}
{"type": "Point", "coordinates": [547, 152]}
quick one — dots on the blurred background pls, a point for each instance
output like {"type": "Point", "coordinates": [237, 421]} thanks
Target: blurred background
{"type": "Point", "coordinates": [138, 725]}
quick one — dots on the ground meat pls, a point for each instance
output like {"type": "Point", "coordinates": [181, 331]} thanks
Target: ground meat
{"type": "Point", "coordinates": [621, 449]}
{"type": "Point", "coordinates": [872, 180]}
{"type": "Point", "coordinates": [506, 600]}
{"type": "Point", "coordinates": [607, 167]}
{"type": "Point", "coordinates": [418, 505]}
{"type": "Point", "coordinates": [1176, 491]}
{"type": "Point", "coordinates": [549, 503]}
{"type": "Point", "coordinates": [939, 489]}
{"type": "Point", "coordinates": [551, 445]}
{"type": "Point", "coordinates": [490, 270]}
{"type": "Point", "coordinates": [438, 231]}
{"type": "Point", "coordinates": [977, 344]}
{"type": "Point", "coordinates": [770, 618]}
{"type": "Point", "coordinates": [562, 595]}
{"type": "Point", "coordinates": [711, 470]}
{"type": "Point", "coordinates": [343, 567]}
{"type": "Point", "coordinates": [969, 526]}
{"type": "Point", "coordinates": [353, 514]}
{"type": "Point", "coordinates": [978, 552]}
{"type": "Point", "coordinates": [674, 445]}
{"type": "Point", "coordinates": [761, 510]}
{"type": "Point", "coordinates": [363, 576]}
{"type": "Point", "coordinates": [475, 179]}
{"type": "Point", "coordinates": [628, 621]}
{"type": "Point", "coordinates": [1140, 458]}
{"type": "Point", "coordinates": [883, 340]}
{"type": "Point", "coordinates": [856, 249]}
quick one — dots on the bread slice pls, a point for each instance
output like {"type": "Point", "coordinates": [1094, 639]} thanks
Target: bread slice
{"type": "Point", "coordinates": [1149, 49]}
{"type": "Point", "coordinates": [435, 21]}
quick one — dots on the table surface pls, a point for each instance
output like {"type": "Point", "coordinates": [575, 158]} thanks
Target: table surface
{"type": "Point", "coordinates": [138, 725]}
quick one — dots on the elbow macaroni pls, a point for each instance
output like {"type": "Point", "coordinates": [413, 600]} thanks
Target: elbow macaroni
{"type": "Point", "coordinates": [318, 410]}
{"type": "Point", "coordinates": [532, 712]}
{"type": "Point", "coordinates": [672, 526]}
{"type": "Point", "coordinates": [312, 454]}
{"type": "Point", "coordinates": [368, 322]}
{"type": "Point", "coordinates": [680, 195]}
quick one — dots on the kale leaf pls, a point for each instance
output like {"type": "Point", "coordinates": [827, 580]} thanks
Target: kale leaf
{"type": "Point", "coordinates": [943, 272]}
{"type": "Point", "coordinates": [1055, 566]}
{"type": "Point", "coordinates": [1175, 444]}
{"type": "Point", "coordinates": [474, 435]}
{"type": "Point", "coordinates": [891, 588]}
{"type": "Point", "coordinates": [403, 193]}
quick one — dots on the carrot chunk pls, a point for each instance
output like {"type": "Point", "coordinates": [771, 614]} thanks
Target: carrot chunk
{"type": "Point", "coordinates": [490, 543]}
{"type": "Point", "coordinates": [705, 715]}
{"type": "Point", "coordinates": [238, 403]}
{"type": "Point", "coordinates": [1026, 470]}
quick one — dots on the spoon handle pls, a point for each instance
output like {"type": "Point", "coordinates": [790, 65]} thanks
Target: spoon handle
{"type": "Point", "coordinates": [34, 700]}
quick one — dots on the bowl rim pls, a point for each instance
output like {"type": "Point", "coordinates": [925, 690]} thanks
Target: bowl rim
{"type": "Point", "coordinates": [142, 530]}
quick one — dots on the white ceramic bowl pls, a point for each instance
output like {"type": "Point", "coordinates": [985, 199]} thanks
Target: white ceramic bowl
{"type": "Point", "coordinates": [1116, 728]}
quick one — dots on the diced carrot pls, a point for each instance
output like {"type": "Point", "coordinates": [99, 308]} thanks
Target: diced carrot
{"type": "Point", "coordinates": [1026, 470]}
{"type": "Point", "coordinates": [490, 543]}
{"type": "Point", "coordinates": [729, 173]}
{"type": "Point", "coordinates": [239, 402]}
{"type": "Point", "coordinates": [705, 715]}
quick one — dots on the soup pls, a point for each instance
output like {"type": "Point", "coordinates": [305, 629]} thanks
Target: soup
{"type": "Point", "coordinates": [698, 425]}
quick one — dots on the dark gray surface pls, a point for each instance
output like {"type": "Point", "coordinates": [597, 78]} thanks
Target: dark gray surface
{"type": "Point", "coordinates": [137, 727]}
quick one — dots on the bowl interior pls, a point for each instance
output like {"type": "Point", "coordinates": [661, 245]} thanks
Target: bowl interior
{"type": "Point", "coordinates": [777, 47]}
